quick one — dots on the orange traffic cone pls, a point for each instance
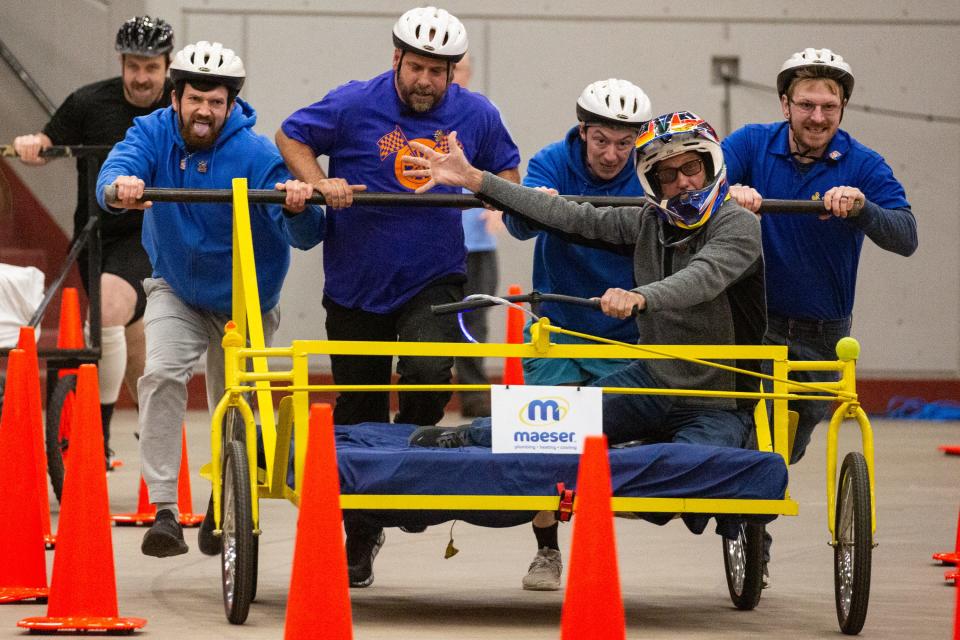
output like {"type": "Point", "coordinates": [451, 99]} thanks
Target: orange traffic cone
{"type": "Point", "coordinates": [512, 367]}
{"type": "Point", "coordinates": [146, 513]}
{"type": "Point", "coordinates": [951, 557]}
{"type": "Point", "coordinates": [70, 335]}
{"type": "Point", "coordinates": [34, 412]}
{"type": "Point", "coordinates": [184, 496]}
{"type": "Point", "coordinates": [592, 605]}
{"type": "Point", "coordinates": [319, 542]}
{"type": "Point", "coordinates": [83, 590]}
{"type": "Point", "coordinates": [23, 567]}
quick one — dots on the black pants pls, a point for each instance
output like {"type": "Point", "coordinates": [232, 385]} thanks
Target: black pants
{"type": "Point", "coordinates": [482, 277]}
{"type": "Point", "coordinates": [413, 322]}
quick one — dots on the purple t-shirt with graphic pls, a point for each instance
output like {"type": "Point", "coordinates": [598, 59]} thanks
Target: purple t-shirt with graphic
{"type": "Point", "coordinates": [378, 258]}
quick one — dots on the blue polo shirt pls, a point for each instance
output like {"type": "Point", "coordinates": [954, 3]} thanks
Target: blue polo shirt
{"type": "Point", "coordinates": [811, 264]}
{"type": "Point", "coordinates": [378, 258]}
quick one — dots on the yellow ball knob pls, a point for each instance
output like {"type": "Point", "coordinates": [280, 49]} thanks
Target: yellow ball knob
{"type": "Point", "coordinates": [848, 349]}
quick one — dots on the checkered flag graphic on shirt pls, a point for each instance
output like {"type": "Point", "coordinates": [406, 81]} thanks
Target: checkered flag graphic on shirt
{"type": "Point", "coordinates": [392, 142]}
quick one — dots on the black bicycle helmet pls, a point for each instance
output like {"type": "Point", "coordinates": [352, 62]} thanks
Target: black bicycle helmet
{"type": "Point", "coordinates": [145, 36]}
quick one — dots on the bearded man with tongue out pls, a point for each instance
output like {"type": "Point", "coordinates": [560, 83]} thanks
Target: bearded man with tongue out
{"type": "Point", "coordinates": [202, 141]}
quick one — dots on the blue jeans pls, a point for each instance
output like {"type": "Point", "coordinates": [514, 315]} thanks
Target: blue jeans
{"type": "Point", "coordinates": [653, 418]}
{"type": "Point", "coordinates": [656, 418]}
{"type": "Point", "coordinates": [807, 340]}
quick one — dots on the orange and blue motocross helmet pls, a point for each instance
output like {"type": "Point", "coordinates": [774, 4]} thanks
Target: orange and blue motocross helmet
{"type": "Point", "coordinates": [672, 134]}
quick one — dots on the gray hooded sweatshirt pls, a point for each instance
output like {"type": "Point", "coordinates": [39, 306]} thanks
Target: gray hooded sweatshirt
{"type": "Point", "coordinates": [704, 287]}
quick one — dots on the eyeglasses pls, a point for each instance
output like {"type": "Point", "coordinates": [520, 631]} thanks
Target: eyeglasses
{"type": "Point", "coordinates": [690, 168]}
{"type": "Point", "coordinates": [806, 108]}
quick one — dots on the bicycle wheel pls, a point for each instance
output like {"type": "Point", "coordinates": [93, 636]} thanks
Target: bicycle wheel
{"type": "Point", "coordinates": [853, 552]}
{"type": "Point", "coordinates": [237, 556]}
{"type": "Point", "coordinates": [57, 428]}
{"type": "Point", "coordinates": [743, 562]}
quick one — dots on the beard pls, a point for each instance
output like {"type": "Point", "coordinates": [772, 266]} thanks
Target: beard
{"type": "Point", "coordinates": [200, 133]}
{"type": "Point", "coordinates": [419, 99]}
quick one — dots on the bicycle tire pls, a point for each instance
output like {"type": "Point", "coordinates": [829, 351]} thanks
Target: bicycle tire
{"type": "Point", "coordinates": [852, 555]}
{"type": "Point", "coordinates": [236, 558]}
{"type": "Point", "coordinates": [743, 565]}
{"type": "Point", "coordinates": [57, 435]}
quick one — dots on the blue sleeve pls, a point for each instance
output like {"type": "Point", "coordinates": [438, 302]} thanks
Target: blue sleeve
{"type": "Point", "coordinates": [890, 229]}
{"type": "Point", "coordinates": [541, 172]}
{"type": "Point", "coordinates": [315, 126]}
{"type": "Point", "coordinates": [736, 154]}
{"type": "Point", "coordinates": [303, 230]}
{"type": "Point", "coordinates": [886, 217]}
{"type": "Point", "coordinates": [135, 155]}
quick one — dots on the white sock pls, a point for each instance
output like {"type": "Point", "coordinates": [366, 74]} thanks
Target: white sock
{"type": "Point", "coordinates": [113, 362]}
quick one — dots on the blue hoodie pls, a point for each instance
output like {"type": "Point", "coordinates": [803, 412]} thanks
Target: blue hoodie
{"type": "Point", "coordinates": [190, 244]}
{"type": "Point", "coordinates": [569, 269]}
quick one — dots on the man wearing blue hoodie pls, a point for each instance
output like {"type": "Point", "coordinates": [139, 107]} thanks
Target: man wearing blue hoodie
{"type": "Point", "coordinates": [203, 140]}
{"type": "Point", "coordinates": [595, 159]}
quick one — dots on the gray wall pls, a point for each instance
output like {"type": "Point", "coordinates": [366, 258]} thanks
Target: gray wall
{"type": "Point", "coordinates": [533, 59]}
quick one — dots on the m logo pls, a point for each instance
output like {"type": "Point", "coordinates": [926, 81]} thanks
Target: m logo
{"type": "Point", "coordinates": [544, 411]}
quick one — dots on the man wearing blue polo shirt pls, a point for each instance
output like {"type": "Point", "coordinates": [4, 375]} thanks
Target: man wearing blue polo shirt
{"type": "Point", "coordinates": [811, 262]}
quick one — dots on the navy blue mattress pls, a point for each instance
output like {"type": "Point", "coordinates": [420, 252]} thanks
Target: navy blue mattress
{"type": "Point", "coordinates": [375, 459]}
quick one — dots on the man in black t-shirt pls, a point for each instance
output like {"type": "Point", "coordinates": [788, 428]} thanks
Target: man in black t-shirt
{"type": "Point", "coordinates": [100, 114]}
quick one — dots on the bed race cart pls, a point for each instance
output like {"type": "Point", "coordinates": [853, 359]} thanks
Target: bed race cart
{"type": "Point", "coordinates": [262, 457]}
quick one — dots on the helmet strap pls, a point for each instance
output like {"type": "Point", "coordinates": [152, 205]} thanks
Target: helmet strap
{"type": "Point", "coordinates": [801, 152]}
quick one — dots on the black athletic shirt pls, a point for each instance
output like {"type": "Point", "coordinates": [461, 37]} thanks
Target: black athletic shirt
{"type": "Point", "coordinates": [98, 114]}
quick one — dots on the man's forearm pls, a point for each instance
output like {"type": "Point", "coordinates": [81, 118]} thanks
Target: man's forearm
{"type": "Point", "coordinates": [300, 159]}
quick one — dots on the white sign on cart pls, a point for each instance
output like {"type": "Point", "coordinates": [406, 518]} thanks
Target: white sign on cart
{"type": "Point", "coordinates": [532, 419]}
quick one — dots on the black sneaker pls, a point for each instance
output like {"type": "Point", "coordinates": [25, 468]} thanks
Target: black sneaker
{"type": "Point", "coordinates": [208, 543]}
{"type": "Point", "coordinates": [361, 550]}
{"type": "Point", "coordinates": [165, 537]}
{"type": "Point", "coordinates": [442, 437]}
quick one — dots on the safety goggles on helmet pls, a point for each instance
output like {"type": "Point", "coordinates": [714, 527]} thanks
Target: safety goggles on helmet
{"type": "Point", "coordinates": [823, 62]}
{"type": "Point", "coordinates": [615, 103]}
{"type": "Point", "coordinates": [431, 32]}
{"type": "Point", "coordinates": [210, 63]}
{"type": "Point", "coordinates": [690, 168]}
{"type": "Point", "coordinates": [144, 36]}
{"type": "Point", "coordinates": [670, 135]}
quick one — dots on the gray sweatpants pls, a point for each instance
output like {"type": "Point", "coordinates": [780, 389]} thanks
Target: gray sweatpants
{"type": "Point", "coordinates": [177, 335]}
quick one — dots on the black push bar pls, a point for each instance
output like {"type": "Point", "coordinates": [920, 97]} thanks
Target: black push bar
{"type": "Point", "coordinates": [455, 200]}
{"type": "Point", "coordinates": [65, 151]}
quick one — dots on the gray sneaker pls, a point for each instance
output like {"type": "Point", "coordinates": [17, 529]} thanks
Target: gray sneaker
{"type": "Point", "coordinates": [544, 572]}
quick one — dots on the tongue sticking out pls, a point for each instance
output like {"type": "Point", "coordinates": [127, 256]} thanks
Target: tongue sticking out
{"type": "Point", "coordinates": [201, 129]}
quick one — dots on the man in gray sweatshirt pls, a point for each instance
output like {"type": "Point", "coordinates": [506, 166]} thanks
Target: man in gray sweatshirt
{"type": "Point", "coordinates": [698, 266]}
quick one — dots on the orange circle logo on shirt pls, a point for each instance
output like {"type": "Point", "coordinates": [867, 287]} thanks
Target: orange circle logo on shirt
{"type": "Point", "coordinates": [399, 166]}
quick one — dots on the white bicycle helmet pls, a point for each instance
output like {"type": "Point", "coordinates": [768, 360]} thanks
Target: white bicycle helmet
{"type": "Point", "coordinates": [672, 134]}
{"type": "Point", "coordinates": [615, 102]}
{"type": "Point", "coordinates": [431, 32]}
{"type": "Point", "coordinates": [826, 64]}
{"type": "Point", "coordinates": [209, 62]}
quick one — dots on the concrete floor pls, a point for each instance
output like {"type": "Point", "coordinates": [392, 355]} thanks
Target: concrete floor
{"type": "Point", "coordinates": [672, 581]}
